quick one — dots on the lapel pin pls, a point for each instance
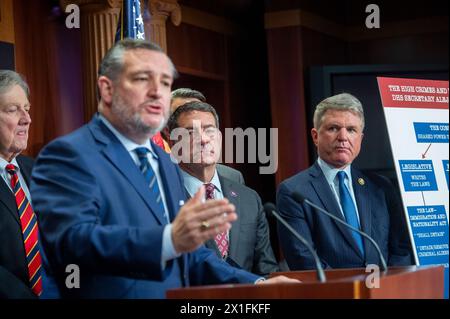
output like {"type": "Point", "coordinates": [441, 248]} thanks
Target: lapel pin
{"type": "Point", "coordinates": [361, 181]}
{"type": "Point", "coordinates": [233, 194]}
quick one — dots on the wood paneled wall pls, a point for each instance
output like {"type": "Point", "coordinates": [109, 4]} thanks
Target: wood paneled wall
{"type": "Point", "coordinates": [6, 21]}
{"type": "Point", "coordinates": [303, 35]}
{"type": "Point", "coordinates": [48, 55]}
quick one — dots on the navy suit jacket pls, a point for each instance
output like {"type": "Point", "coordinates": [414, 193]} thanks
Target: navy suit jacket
{"type": "Point", "coordinates": [96, 211]}
{"type": "Point", "coordinates": [380, 218]}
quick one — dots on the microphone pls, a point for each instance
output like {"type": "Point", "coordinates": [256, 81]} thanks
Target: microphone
{"type": "Point", "coordinates": [271, 210]}
{"type": "Point", "coordinates": [299, 198]}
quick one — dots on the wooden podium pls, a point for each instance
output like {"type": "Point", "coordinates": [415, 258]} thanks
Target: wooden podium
{"type": "Point", "coordinates": [397, 283]}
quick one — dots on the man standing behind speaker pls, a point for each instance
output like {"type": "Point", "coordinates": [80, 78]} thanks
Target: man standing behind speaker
{"type": "Point", "coordinates": [247, 243]}
{"type": "Point", "coordinates": [185, 95]}
{"type": "Point", "coordinates": [363, 201]}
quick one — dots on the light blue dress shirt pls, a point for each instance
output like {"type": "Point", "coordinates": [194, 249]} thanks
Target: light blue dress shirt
{"type": "Point", "coordinates": [192, 184]}
{"type": "Point", "coordinates": [330, 173]}
{"type": "Point", "coordinates": [168, 250]}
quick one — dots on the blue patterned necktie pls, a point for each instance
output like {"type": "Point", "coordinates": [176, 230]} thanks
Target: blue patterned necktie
{"type": "Point", "coordinates": [348, 206]}
{"type": "Point", "coordinates": [150, 178]}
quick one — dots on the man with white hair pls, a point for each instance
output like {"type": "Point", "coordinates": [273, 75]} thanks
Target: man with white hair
{"type": "Point", "coordinates": [20, 256]}
{"type": "Point", "coordinates": [363, 201]}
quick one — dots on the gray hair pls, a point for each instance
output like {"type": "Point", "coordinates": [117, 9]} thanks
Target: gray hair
{"type": "Point", "coordinates": [10, 78]}
{"type": "Point", "coordinates": [112, 63]}
{"type": "Point", "coordinates": [189, 107]}
{"type": "Point", "coordinates": [340, 102]}
{"type": "Point", "coordinates": [187, 93]}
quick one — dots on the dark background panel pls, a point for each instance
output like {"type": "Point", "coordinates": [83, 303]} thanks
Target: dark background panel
{"type": "Point", "coordinates": [360, 81]}
{"type": "Point", "coordinates": [6, 56]}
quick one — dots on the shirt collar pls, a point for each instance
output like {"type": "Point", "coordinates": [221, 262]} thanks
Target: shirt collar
{"type": "Point", "coordinates": [4, 162]}
{"type": "Point", "coordinates": [330, 172]}
{"type": "Point", "coordinates": [129, 145]}
{"type": "Point", "coordinates": [192, 183]}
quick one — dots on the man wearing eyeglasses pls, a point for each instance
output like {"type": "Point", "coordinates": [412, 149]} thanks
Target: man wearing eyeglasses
{"type": "Point", "coordinates": [197, 147]}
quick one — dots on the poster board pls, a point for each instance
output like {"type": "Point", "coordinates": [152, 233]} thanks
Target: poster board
{"type": "Point", "coordinates": [417, 118]}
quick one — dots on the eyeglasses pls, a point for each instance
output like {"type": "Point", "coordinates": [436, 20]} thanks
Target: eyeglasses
{"type": "Point", "coordinates": [210, 132]}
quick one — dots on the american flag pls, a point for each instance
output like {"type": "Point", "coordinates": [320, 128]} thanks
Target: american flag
{"type": "Point", "coordinates": [131, 24]}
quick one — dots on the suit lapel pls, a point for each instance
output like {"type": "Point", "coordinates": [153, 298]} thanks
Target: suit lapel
{"type": "Point", "coordinates": [116, 153]}
{"type": "Point", "coordinates": [168, 174]}
{"type": "Point", "coordinates": [24, 170]}
{"type": "Point", "coordinates": [363, 202]}
{"type": "Point", "coordinates": [328, 199]}
{"type": "Point", "coordinates": [7, 198]}
{"type": "Point", "coordinates": [233, 197]}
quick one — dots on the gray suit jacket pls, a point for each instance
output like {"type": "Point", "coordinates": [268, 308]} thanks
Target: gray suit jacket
{"type": "Point", "coordinates": [250, 246]}
{"type": "Point", "coordinates": [230, 173]}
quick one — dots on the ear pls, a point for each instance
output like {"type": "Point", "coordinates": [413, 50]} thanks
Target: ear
{"type": "Point", "coordinates": [105, 89]}
{"type": "Point", "coordinates": [315, 136]}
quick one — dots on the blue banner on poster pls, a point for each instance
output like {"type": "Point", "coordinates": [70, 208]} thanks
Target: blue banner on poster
{"type": "Point", "coordinates": [431, 132]}
{"type": "Point", "coordinates": [430, 231]}
{"type": "Point", "coordinates": [418, 175]}
{"type": "Point", "coordinates": [445, 163]}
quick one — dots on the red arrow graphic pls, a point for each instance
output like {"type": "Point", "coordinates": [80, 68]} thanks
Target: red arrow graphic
{"type": "Point", "coordinates": [424, 154]}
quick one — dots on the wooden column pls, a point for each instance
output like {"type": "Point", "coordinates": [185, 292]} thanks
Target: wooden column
{"type": "Point", "coordinates": [155, 20]}
{"type": "Point", "coordinates": [6, 21]}
{"type": "Point", "coordinates": [98, 28]}
{"type": "Point", "coordinates": [286, 68]}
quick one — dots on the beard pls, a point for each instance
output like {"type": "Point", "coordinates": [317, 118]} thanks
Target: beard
{"type": "Point", "coordinates": [132, 122]}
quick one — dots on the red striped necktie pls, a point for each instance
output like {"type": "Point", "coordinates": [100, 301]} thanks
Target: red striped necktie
{"type": "Point", "coordinates": [221, 239]}
{"type": "Point", "coordinates": [29, 225]}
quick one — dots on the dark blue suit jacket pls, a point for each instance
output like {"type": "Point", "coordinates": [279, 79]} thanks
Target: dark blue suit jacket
{"type": "Point", "coordinates": [96, 211]}
{"type": "Point", "coordinates": [334, 244]}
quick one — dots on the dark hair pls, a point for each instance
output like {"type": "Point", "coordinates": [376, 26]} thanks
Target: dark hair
{"type": "Point", "coordinates": [189, 107]}
{"type": "Point", "coordinates": [112, 63]}
{"type": "Point", "coordinates": [186, 93]}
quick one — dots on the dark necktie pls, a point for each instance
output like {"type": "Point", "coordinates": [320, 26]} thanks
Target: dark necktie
{"type": "Point", "coordinates": [221, 239]}
{"type": "Point", "coordinates": [150, 178]}
{"type": "Point", "coordinates": [348, 206]}
{"type": "Point", "coordinates": [28, 222]}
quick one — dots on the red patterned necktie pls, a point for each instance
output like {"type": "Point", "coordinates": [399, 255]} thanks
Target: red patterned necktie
{"type": "Point", "coordinates": [221, 239]}
{"type": "Point", "coordinates": [29, 225]}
